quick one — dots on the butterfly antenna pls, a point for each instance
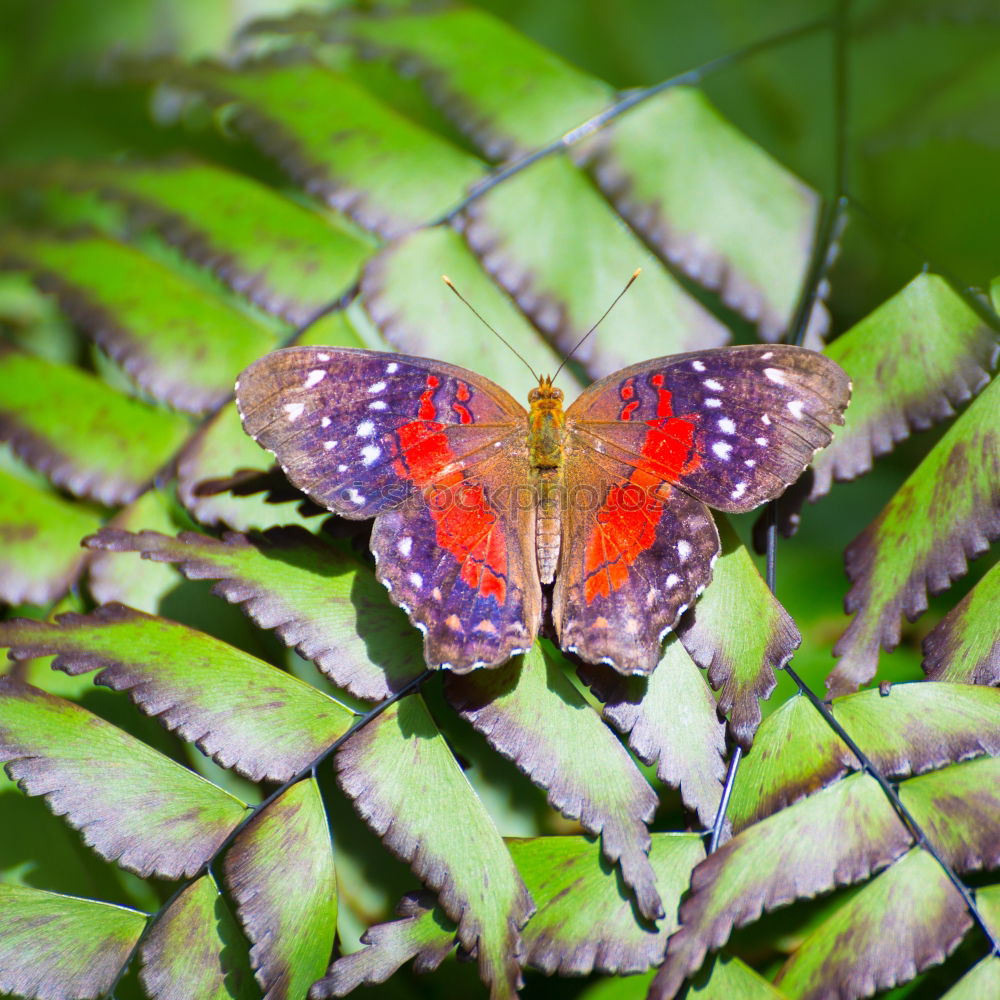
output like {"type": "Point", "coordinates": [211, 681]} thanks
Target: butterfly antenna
{"type": "Point", "coordinates": [478, 315]}
{"type": "Point", "coordinates": [628, 285]}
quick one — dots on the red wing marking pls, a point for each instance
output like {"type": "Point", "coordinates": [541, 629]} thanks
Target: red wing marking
{"type": "Point", "coordinates": [626, 523]}
{"type": "Point", "coordinates": [466, 524]}
{"type": "Point", "coordinates": [626, 526]}
{"type": "Point", "coordinates": [428, 411]}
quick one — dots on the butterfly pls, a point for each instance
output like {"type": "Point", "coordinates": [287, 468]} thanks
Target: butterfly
{"type": "Point", "coordinates": [479, 503]}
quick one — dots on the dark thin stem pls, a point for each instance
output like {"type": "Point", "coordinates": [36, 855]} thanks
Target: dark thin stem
{"type": "Point", "coordinates": [628, 100]}
{"type": "Point", "coordinates": [920, 838]}
{"type": "Point", "coordinates": [308, 771]}
{"type": "Point", "coordinates": [727, 790]}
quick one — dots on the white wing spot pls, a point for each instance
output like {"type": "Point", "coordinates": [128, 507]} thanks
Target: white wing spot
{"type": "Point", "coordinates": [342, 468]}
{"type": "Point", "coordinates": [767, 356]}
{"type": "Point", "coordinates": [795, 408]}
{"type": "Point", "coordinates": [405, 546]}
{"type": "Point", "coordinates": [713, 402]}
{"type": "Point", "coordinates": [672, 580]}
{"type": "Point", "coordinates": [765, 420]}
{"type": "Point", "coordinates": [750, 463]}
{"type": "Point", "coordinates": [355, 497]}
{"type": "Point", "coordinates": [377, 387]}
{"type": "Point", "coordinates": [325, 422]}
{"type": "Point", "coordinates": [330, 445]}
{"type": "Point", "coordinates": [710, 383]}
{"type": "Point", "coordinates": [740, 489]}
{"type": "Point", "coordinates": [722, 449]}
{"type": "Point", "coordinates": [314, 378]}
{"type": "Point", "coordinates": [698, 366]}
{"type": "Point", "coordinates": [391, 368]}
{"type": "Point", "coordinates": [683, 549]}
{"type": "Point", "coordinates": [761, 441]}
{"type": "Point", "coordinates": [379, 404]}
{"type": "Point", "coordinates": [417, 580]}
{"type": "Point", "coordinates": [370, 454]}
{"type": "Point", "coordinates": [323, 357]}
{"type": "Point", "coordinates": [775, 375]}
{"type": "Point", "coordinates": [727, 426]}
{"type": "Point", "coordinates": [294, 410]}
{"type": "Point", "coordinates": [365, 429]}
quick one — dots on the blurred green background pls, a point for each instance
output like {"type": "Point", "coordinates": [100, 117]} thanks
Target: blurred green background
{"type": "Point", "coordinates": [923, 156]}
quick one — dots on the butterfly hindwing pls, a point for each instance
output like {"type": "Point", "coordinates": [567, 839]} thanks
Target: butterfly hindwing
{"type": "Point", "coordinates": [463, 567]}
{"type": "Point", "coordinates": [636, 553]}
{"type": "Point", "coordinates": [430, 451]}
{"type": "Point", "coordinates": [733, 427]}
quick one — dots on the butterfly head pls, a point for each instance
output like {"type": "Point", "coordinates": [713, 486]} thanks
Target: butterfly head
{"type": "Point", "coordinates": [546, 397]}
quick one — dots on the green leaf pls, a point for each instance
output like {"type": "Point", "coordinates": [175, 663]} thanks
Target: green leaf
{"type": "Point", "coordinates": [195, 949]}
{"type": "Point", "coordinates": [911, 362]}
{"type": "Point", "coordinates": [725, 977]}
{"type": "Point", "coordinates": [418, 314]}
{"type": "Point", "coordinates": [837, 836]}
{"type": "Point", "coordinates": [406, 785]}
{"type": "Point", "coordinates": [222, 448]}
{"type": "Point", "coordinates": [946, 512]}
{"type": "Point", "coordinates": [670, 720]}
{"type": "Point", "coordinates": [423, 933]}
{"type": "Point", "coordinates": [982, 981]}
{"type": "Point", "coordinates": [324, 603]}
{"type": "Point", "coordinates": [965, 646]}
{"type": "Point", "coordinates": [112, 578]}
{"type": "Point", "coordinates": [957, 808]}
{"type": "Point", "coordinates": [740, 634]}
{"type": "Point", "coordinates": [905, 920]}
{"type": "Point", "coordinates": [280, 871]}
{"type": "Point", "coordinates": [283, 257]}
{"type": "Point", "coordinates": [531, 713]}
{"type": "Point", "coordinates": [177, 340]}
{"type": "Point", "coordinates": [110, 449]}
{"type": "Point", "coordinates": [40, 554]}
{"type": "Point", "coordinates": [240, 711]}
{"type": "Point", "coordinates": [582, 923]}
{"type": "Point", "coordinates": [504, 91]}
{"type": "Point", "coordinates": [543, 228]}
{"type": "Point", "coordinates": [915, 728]}
{"type": "Point", "coordinates": [339, 142]}
{"type": "Point", "coordinates": [59, 947]}
{"type": "Point", "coordinates": [713, 203]}
{"type": "Point", "coordinates": [141, 809]}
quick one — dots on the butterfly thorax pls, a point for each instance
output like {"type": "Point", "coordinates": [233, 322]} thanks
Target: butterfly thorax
{"type": "Point", "coordinates": [546, 430]}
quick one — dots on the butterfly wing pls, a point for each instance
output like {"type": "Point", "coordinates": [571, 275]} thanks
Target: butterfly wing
{"type": "Point", "coordinates": [731, 428]}
{"type": "Point", "coordinates": [430, 451]}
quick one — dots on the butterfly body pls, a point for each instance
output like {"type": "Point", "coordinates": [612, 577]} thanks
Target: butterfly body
{"type": "Point", "coordinates": [479, 502]}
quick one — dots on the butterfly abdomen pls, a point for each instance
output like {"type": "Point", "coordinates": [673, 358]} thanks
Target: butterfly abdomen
{"type": "Point", "coordinates": [546, 432]}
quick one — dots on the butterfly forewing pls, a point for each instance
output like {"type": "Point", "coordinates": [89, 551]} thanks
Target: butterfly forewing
{"type": "Point", "coordinates": [430, 450]}
{"type": "Point", "coordinates": [732, 427]}
{"type": "Point", "coordinates": [360, 430]}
